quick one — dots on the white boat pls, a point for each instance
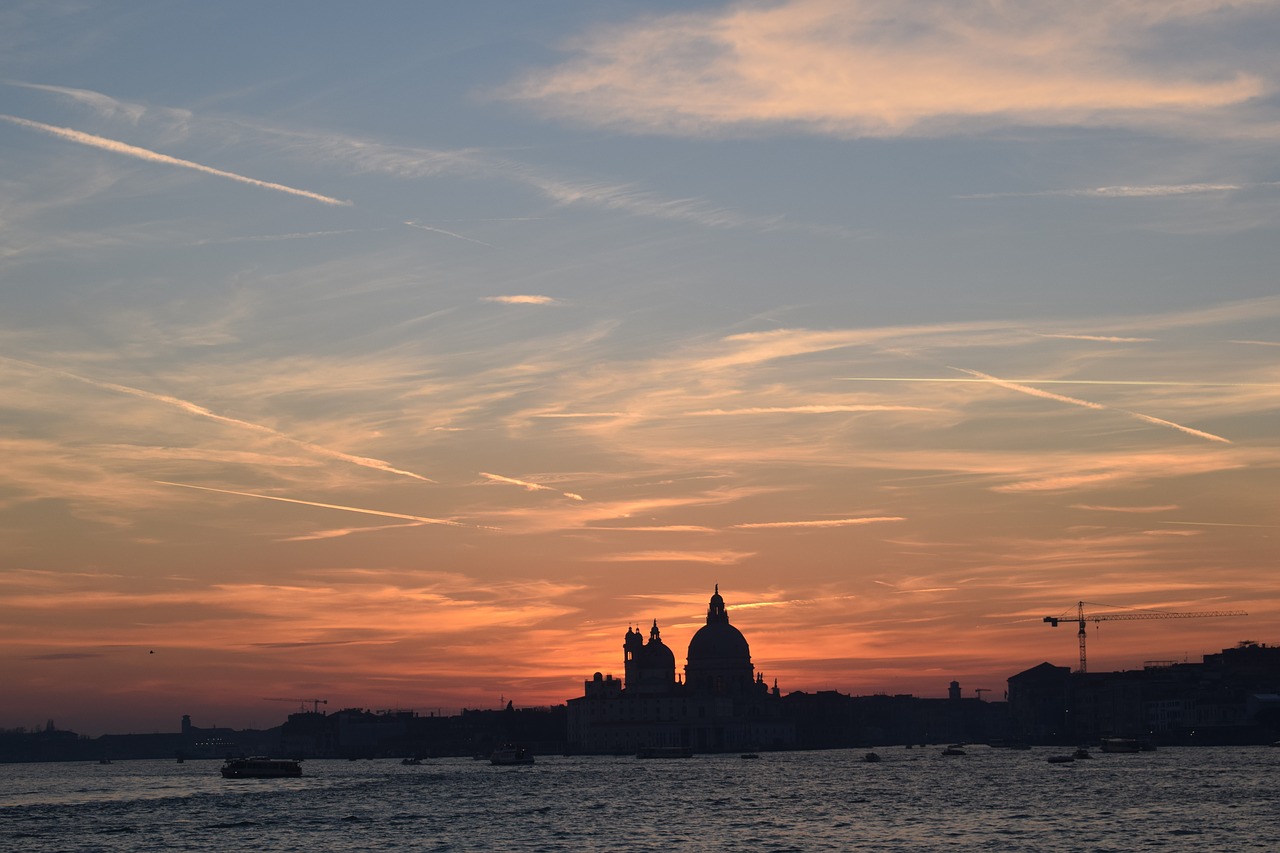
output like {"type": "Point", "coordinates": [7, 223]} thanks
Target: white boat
{"type": "Point", "coordinates": [261, 768]}
{"type": "Point", "coordinates": [508, 755]}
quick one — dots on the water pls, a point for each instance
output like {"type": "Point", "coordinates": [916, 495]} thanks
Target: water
{"type": "Point", "coordinates": [1223, 799]}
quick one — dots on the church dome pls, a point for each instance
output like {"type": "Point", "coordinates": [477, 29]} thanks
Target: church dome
{"type": "Point", "coordinates": [718, 641]}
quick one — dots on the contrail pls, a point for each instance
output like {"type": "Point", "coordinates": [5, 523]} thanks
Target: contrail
{"type": "Point", "coordinates": [533, 487]}
{"type": "Point", "coordinates": [832, 522]}
{"type": "Point", "coordinates": [201, 411]}
{"type": "Point", "coordinates": [118, 147]}
{"type": "Point", "coordinates": [1069, 381]}
{"type": "Point", "coordinates": [422, 227]}
{"type": "Point", "coordinates": [423, 519]}
{"type": "Point", "coordinates": [1049, 395]}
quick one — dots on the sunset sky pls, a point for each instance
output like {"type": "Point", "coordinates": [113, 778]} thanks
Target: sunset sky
{"type": "Point", "coordinates": [404, 354]}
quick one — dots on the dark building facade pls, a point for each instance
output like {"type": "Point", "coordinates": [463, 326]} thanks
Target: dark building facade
{"type": "Point", "coordinates": [721, 704]}
{"type": "Point", "coordinates": [1231, 697]}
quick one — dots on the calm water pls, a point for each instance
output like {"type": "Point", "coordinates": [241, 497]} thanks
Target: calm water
{"type": "Point", "coordinates": [1223, 799]}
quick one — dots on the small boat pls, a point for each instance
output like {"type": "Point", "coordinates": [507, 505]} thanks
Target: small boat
{"type": "Point", "coordinates": [261, 768]}
{"type": "Point", "coordinates": [954, 749]}
{"type": "Point", "coordinates": [411, 762]}
{"type": "Point", "coordinates": [871, 757]}
{"type": "Point", "coordinates": [1082, 753]}
{"type": "Point", "coordinates": [664, 752]}
{"type": "Point", "coordinates": [1120, 744]}
{"type": "Point", "coordinates": [1060, 759]}
{"type": "Point", "coordinates": [509, 755]}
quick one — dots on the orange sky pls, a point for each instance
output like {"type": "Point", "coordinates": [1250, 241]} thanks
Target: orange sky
{"type": "Point", "coordinates": [411, 374]}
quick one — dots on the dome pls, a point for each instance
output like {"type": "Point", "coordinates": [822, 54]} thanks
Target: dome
{"type": "Point", "coordinates": [716, 642]}
{"type": "Point", "coordinates": [657, 655]}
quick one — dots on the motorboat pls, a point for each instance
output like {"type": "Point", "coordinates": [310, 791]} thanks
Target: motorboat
{"type": "Point", "coordinates": [664, 752]}
{"type": "Point", "coordinates": [261, 768]}
{"type": "Point", "coordinates": [508, 755]}
{"type": "Point", "coordinates": [954, 749]}
{"type": "Point", "coordinates": [871, 757]}
{"type": "Point", "coordinates": [1121, 744]}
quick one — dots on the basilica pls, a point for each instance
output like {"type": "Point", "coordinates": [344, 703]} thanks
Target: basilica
{"type": "Point", "coordinates": [720, 705]}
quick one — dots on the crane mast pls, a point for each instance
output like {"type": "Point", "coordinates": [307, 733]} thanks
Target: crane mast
{"type": "Point", "coordinates": [1081, 618]}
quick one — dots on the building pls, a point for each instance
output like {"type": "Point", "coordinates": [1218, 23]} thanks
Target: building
{"type": "Point", "coordinates": [721, 704]}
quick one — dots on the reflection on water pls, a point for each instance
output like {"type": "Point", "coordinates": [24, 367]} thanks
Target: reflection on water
{"type": "Point", "coordinates": [1221, 799]}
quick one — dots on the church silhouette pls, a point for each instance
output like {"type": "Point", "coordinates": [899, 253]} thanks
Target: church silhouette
{"type": "Point", "coordinates": [721, 705]}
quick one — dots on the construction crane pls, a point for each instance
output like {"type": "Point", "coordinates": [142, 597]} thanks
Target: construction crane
{"type": "Point", "coordinates": [980, 691]}
{"type": "Point", "coordinates": [1082, 617]}
{"type": "Point", "coordinates": [302, 703]}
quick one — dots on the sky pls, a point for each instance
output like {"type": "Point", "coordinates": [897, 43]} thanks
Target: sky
{"type": "Point", "coordinates": [405, 354]}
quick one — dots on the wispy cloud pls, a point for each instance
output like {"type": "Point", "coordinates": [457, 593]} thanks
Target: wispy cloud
{"type": "Point", "coordinates": [1049, 395]}
{"type": "Point", "coordinates": [361, 510]}
{"type": "Point", "coordinates": [1133, 509]}
{"type": "Point", "coordinates": [826, 522]}
{"type": "Point", "coordinates": [117, 147]}
{"type": "Point", "coordinates": [520, 299]}
{"type": "Point", "coordinates": [434, 230]}
{"type": "Point", "coordinates": [528, 486]}
{"type": "Point", "coordinates": [200, 411]}
{"type": "Point", "coordinates": [808, 410]}
{"type": "Point", "coordinates": [717, 558]}
{"type": "Point", "coordinates": [1112, 339]}
{"type": "Point", "coordinates": [879, 68]}
{"type": "Point", "coordinates": [1153, 191]}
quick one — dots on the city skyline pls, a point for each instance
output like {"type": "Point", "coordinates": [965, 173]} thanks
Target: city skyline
{"type": "Point", "coordinates": [404, 359]}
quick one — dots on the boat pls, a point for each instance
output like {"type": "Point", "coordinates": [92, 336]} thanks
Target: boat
{"type": "Point", "coordinates": [1060, 759]}
{"type": "Point", "coordinates": [261, 768]}
{"type": "Point", "coordinates": [664, 752]}
{"type": "Point", "coordinates": [749, 755]}
{"type": "Point", "coordinates": [411, 762]}
{"type": "Point", "coordinates": [1120, 744]}
{"type": "Point", "coordinates": [1082, 753]}
{"type": "Point", "coordinates": [509, 755]}
{"type": "Point", "coordinates": [871, 757]}
{"type": "Point", "coordinates": [954, 749]}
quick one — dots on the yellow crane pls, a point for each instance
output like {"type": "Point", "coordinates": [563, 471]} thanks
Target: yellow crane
{"type": "Point", "coordinates": [1081, 617]}
{"type": "Point", "coordinates": [302, 703]}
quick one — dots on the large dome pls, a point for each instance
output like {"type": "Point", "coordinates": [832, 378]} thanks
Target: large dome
{"type": "Point", "coordinates": [717, 642]}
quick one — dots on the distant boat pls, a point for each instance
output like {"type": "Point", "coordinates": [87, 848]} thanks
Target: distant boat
{"type": "Point", "coordinates": [1061, 759]}
{"type": "Point", "coordinates": [1120, 744]}
{"type": "Point", "coordinates": [1082, 753]}
{"type": "Point", "coordinates": [261, 768]}
{"type": "Point", "coordinates": [664, 752]}
{"type": "Point", "coordinates": [510, 755]}
{"type": "Point", "coordinates": [871, 757]}
{"type": "Point", "coordinates": [954, 749]}
{"type": "Point", "coordinates": [749, 755]}
{"type": "Point", "coordinates": [411, 762]}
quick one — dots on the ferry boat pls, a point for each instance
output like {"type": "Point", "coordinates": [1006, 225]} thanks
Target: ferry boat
{"type": "Point", "coordinates": [1120, 744]}
{"type": "Point", "coordinates": [261, 768]}
{"type": "Point", "coordinates": [508, 755]}
{"type": "Point", "coordinates": [664, 752]}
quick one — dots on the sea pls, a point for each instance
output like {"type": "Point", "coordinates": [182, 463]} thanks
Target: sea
{"type": "Point", "coordinates": [917, 799]}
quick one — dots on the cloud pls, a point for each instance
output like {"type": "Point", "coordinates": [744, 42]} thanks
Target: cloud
{"type": "Point", "coordinates": [718, 558]}
{"type": "Point", "coordinates": [419, 518]}
{"type": "Point", "coordinates": [808, 410]}
{"type": "Point", "coordinates": [829, 522]}
{"type": "Point", "coordinates": [884, 68]}
{"type": "Point", "coordinates": [1049, 395]}
{"type": "Point", "coordinates": [201, 411]}
{"type": "Point", "coordinates": [1152, 191]}
{"type": "Point", "coordinates": [127, 150]}
{"type": "Point", "coordinates": [1111, 339]}
{"type": "Point", "coordinates": [525, 484]}
{"type": "Point", "coordinates": [453, 234]}
{"type": "Point", "coordinates": [1137, 509]}
{"type": "Point", "coordinates": [520, 299]}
